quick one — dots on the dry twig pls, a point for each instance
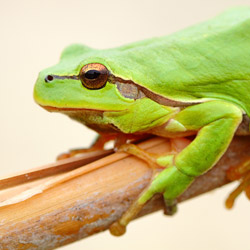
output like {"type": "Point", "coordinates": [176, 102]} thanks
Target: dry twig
{"type": "Point", "coordinates": [87, 200]}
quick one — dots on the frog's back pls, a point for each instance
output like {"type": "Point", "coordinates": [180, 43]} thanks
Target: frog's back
{"type": "Point", "coordinates": [208, 61]}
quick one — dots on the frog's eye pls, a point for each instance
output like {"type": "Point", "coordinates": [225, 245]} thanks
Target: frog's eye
{"type": "Point", "coordinates": [94, 75]}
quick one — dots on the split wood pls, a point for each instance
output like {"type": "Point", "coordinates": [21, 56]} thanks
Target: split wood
{"type": "Point", "coordinates": [54, 211]}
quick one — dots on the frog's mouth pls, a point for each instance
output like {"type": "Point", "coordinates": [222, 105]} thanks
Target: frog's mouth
{"type": "Point", "coordinates": [57, 109]}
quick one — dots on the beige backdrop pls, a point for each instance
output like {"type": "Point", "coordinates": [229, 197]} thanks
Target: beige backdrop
{"type": "Point", "coordinates": [33, 33]}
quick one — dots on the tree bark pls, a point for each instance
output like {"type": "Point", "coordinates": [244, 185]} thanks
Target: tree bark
{"type": "Point", "coordinates": [89, 199]}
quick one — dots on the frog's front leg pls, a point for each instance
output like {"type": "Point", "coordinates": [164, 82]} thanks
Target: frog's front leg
{"type": "Point", "coordinates": [98, 144]}
{"type": "Point", "coordinates": [216, 123]}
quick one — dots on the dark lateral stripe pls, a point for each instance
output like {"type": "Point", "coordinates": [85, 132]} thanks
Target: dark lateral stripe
{"type": "Point", "coordinates": [73, 77]}
{"type": "Point", "coordinates": [157, 98]}
{"type": "Point", "coordinates": [153, 96]}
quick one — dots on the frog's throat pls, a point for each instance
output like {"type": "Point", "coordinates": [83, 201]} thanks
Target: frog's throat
{"type": "Point", "coordinates": [132, 90]}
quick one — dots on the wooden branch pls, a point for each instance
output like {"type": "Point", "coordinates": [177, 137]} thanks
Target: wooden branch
{"type": "Point", "coordinates": [87, 200]}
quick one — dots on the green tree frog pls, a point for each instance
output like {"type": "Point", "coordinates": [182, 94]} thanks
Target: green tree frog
{"type": "Point", "coordinates": [193, 82]}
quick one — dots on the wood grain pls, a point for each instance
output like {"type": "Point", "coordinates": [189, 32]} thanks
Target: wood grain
{"type": "Point", "coordinates": [89, 202]}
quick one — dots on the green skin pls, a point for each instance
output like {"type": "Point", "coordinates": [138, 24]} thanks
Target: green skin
{"type": "Point", "coordinates": [196, 80]}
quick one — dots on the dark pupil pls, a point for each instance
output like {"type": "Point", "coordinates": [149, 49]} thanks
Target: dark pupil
{"type": "Point", "coordinates": [92, 74]}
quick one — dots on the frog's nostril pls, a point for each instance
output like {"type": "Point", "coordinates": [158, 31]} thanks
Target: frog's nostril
{"type": "Point", "coordinates": [49, 78]}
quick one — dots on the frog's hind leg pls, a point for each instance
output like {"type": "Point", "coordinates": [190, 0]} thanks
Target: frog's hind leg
{"type": "Point", "coordinates": [242, 173]}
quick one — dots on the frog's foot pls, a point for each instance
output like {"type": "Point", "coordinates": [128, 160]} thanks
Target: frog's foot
{"type": "Point", "coordinates": [98, 144]}
{"type": "Point", "coordinates": [164, 183]}
{"type": "Point", "coordinates": [242, 173]}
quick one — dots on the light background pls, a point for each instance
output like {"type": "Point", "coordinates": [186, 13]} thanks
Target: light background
{"type": "Point", "coordinates": [33, 33]}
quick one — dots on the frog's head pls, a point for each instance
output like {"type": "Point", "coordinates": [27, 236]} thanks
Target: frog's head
{"type": "Point", "coordinates": [84, 80]}
{"type": "Point", "coordinates": [102, 89]}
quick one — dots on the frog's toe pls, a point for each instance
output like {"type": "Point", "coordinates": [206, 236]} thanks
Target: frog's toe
{"type": "Point", "coordinates": [170, 207]}
{"type": "Point", "coordinates": [75, 152]}
{"type": "Point", "coordinates": [63, 156]}
{"type": "Point", "coordinates": [71, 153]}
{"type": "Point", "coordinates": [242, 173]}
{"type": "Point", "coordinates": [117, 229]}
{"type": "Point", "coordinates": [247, 191]}
{"type": "Point", "coordinates": [133, 149]}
